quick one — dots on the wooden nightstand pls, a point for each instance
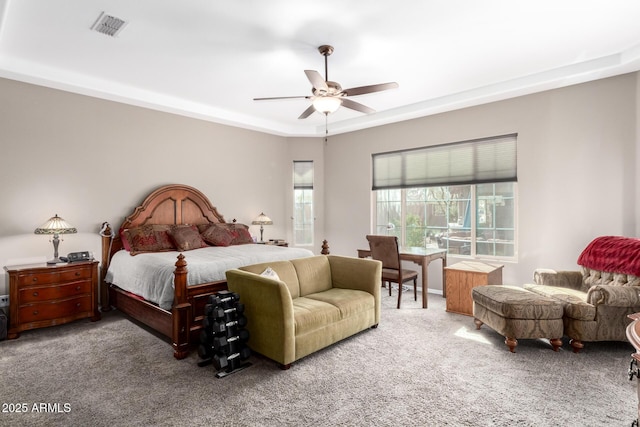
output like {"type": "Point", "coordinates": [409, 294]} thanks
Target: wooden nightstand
{"type": "Point", "coordinates": [43, 295]}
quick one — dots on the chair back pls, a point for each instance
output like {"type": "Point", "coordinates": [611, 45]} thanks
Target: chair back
{"type": "Point", "coordinates": [385, 249]}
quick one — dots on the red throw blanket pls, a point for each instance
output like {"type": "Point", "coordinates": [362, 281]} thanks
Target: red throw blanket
{"type": "Point", "coordinates": [613, 254]}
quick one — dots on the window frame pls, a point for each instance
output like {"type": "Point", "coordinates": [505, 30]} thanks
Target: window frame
{"type": "Point", "coordinates": [473, 206]}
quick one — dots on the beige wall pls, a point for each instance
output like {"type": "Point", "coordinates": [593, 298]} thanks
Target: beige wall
{"type": "Point", "coordinates": [92, 160]}
{"type": "Point", "coordinates": [577, 165]}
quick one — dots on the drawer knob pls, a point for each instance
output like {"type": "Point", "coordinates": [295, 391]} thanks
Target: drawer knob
{"type": "Point", "coordinates": [78, 304]}
{"type": "Point", "coordinates": [77, 273]}
{"type": "Point", "coordinates": [35, 312]}
{"type": "Point", "coordinates": [35, 294]}
{"type": "Point", "coordinates": [35, 279]}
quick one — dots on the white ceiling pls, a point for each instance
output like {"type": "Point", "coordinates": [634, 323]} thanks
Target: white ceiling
{"type": "Point", "coordinates": [209, 58]}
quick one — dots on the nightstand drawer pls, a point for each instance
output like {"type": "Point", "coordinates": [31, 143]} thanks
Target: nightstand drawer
{"type": "Point", "coordinates": [54, 276]}
{"type": "Point", "coordinates": [54, 310]}
{"type": "Point", "coordinates": [43, 293]}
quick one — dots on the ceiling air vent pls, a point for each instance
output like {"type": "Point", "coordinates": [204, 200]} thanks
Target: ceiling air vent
{"type": "Point", "coordinates": [109, 25]}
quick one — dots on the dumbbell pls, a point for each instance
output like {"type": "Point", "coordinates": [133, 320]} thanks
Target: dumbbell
{"type": "Point", "coordinates": [220, 327]}
{"type": "Point", "coordinates": [218, 312]}
{"type": "Point", "coordinates": [231, 361]}
{"type": "Point", "coordinates": [224, 298]}
{"type": "Point", "coordinates": [221, 343]}
{"type": "Point", "coordinates": [209, 345]}
{"type": "Point", "coordinates": [205, 351]}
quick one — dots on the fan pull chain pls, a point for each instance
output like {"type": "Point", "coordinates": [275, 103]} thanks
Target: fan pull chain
{"type": "Point", "coordinates": [326, 127]}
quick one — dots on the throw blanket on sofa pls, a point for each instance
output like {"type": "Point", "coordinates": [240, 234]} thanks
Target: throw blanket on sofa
{"type": "Point", "coordinates": [613, 254]}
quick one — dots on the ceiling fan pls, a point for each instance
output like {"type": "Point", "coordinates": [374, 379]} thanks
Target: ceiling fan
{"type": "Point", "coordinates": [328, 96]}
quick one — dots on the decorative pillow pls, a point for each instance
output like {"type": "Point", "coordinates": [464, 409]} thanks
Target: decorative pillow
{"type": "Point", "coordinates": [270, 273]}
{"type": "Point", "coordinates": [187, 238]}
{"type": "Point", "coordinates": [203, 227]}
{"type": "Point", "coordinates": [218, 236]}
{"type": "Point", "coordinates": [241, 233]}
{"type": "Point", "coordinates": [124, 240]}
{"type": "Point", "coordinates": [149, 238]}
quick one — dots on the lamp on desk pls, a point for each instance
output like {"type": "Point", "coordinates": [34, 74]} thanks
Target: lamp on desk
{"type": "Point", "coordinates": [56, 226]}
{"type": "Point", "coordinates": [262, 220]}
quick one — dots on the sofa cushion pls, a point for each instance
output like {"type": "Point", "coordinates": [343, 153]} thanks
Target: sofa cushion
{"type": "Point", "coordinates": [311, 314]}
{"type": "Point", "coordinates": [348, 301]}
{"type": "Point", "coordinates": [574, 301]}
{"type": "Point", "coordinates": [285, 271]}
{"type": "Point", "coordinates": [314, 274]}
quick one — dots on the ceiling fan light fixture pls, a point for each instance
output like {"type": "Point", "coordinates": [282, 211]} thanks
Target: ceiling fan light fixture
{"type": "Point", "coordinates": [326, 104]}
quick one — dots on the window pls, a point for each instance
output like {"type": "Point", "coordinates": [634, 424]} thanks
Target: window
{"type": "Point", "coordinates": [460, 197]}
{"type": "Point", "coordinates": [303, 203]}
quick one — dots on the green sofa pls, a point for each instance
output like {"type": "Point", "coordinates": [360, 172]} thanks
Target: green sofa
{"type": "Point", "coordinates": [312, 303]}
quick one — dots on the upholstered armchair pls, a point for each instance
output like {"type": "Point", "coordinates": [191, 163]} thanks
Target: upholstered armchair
{"type": "Point", "coordinates": [598, 298]}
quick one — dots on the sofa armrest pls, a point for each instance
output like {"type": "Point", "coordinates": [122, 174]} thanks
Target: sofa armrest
{"type": "Point", "coordinates": [615, 296]}
{"type": "Point", "coordinates": [269, 312]}
{"type": "Point", "coordinates": [563, 279]}
{"type": "Point", "coordinates": [356, 273]}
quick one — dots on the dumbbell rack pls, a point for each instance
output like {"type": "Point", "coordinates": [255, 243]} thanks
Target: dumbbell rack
{"type": "Point", "coordinates": [223, 340]}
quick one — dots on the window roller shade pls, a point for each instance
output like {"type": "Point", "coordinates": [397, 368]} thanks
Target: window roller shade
{"type": "Point", "coordinates": [468, 162]}
{"type": "Point", "coordinates": [303, 175]}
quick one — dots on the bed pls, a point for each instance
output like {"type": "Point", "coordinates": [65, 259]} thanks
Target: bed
{"type": "Point", "coordinates": [178, 312]}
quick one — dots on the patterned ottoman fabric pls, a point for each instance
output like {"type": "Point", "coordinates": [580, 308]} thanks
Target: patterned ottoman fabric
{"type": "Point", "coordinates": [513, 302]}
{"type": "Point", "coordinates": [517, 313]}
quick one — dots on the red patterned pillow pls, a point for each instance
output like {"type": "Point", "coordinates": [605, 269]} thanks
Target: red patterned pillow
{"type": "Point", "coordinates": [124, 240]}
{"type": "Point", "coordinates": [218, 235]}
{"type": "Point", "coordinates": [186, 237]}
{"type": "Point", "coordinates": [149, 238]}
{"type": "Point", "coordinates": [241, 233]}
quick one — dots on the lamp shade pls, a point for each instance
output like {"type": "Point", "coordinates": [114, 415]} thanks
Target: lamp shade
{"type": "Point", "coordinates": [55, 225]}
{"type": "Point", "coordinates": [326, 104]}
{"type": "Point", "coordinates": [262, 219]}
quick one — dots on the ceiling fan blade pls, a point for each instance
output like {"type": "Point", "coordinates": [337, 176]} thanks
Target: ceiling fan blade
{"type": "Point", "coordinates": [282, 97]}
{"type": "Point", "coordinates": [316, 80]}
{"type": "Point", "coordinates": [346, 102]}
{"type": "Point", "coordinates": [369, 89]}
{"type": "Point", "coordinates": [307, 112]}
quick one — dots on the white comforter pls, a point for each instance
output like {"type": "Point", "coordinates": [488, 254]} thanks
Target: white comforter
{"type": "Point", "coordinates": [150, 275]}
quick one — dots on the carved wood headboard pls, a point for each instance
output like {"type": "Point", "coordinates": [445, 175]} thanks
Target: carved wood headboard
{"type": "Point", "coordinates": [169, 204]}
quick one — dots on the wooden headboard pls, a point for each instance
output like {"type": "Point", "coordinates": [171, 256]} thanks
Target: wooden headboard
{"type": "Point", "coordinates": [169, 204]}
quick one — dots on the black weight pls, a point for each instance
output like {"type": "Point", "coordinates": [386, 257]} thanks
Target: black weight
{"type": "Point", "coordinates": [221, 343]}
{"type": "Point", "coordinates": [221, 327]}
{"type": "Point", "coordinates": [224, 298]}
{"type": "Point", "coordinates": [228, 314]}
{"type": "Point", "coordinates": [221, 361]}
{"type": "Point", "coordinates": [205, 351]}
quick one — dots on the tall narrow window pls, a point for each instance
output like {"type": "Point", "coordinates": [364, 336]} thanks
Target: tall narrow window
{"type": "Point", "coordinates": [303, 203]}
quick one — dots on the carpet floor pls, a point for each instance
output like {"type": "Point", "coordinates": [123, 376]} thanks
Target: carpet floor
{"type": "Point", "coordinates": [418, 368]}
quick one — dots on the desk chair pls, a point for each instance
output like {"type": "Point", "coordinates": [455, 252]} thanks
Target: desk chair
{"type": "Point", "coordinates": [385, 249]}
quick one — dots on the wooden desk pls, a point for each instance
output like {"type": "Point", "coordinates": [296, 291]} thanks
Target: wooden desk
{"type": "Point", "coordinates": [422, 257]}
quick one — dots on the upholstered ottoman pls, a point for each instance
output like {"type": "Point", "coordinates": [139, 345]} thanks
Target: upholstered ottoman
{"type": "Point", "coordinates": [518, 314]}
